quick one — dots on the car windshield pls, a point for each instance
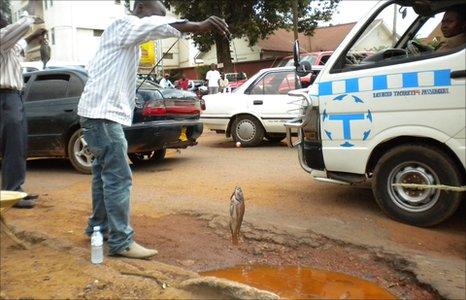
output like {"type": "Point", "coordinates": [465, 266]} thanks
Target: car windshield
{"type": "Point", "coordinates": [178, 94]}
{"type": "Point", "coordinates": [308, 57]}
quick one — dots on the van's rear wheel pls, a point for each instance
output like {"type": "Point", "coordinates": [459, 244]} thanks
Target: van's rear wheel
{"type": "Point", "coordinates": [416, 165]}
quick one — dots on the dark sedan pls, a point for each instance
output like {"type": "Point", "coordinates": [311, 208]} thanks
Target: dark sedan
{"type": "Point", "coordinates": [163, 118]}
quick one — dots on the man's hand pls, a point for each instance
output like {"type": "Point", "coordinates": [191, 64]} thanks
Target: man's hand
{"type": "Point", "coordinates": [38, 33]}
{"type": "Point", "coordinates": [213, 23]}
{"type": "Point", "coordinates": [38, 20]}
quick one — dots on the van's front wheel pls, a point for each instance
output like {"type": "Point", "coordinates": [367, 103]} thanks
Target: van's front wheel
{"type": "Point", "coordinates": [416, 165]}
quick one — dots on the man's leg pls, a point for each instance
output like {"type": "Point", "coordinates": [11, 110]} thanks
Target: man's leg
{"type": "Point", "coordinates": [107, 142]}
{"type": "Point", "coordinates": [96, 141]}
{"type": "Point", "coordinates": [13, 141]}
{"type": "Point", "coordinates": [117, 179]}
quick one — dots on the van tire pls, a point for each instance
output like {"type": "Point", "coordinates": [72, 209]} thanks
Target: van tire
{"type": "Point", "coordinates": [248, 131]}
{"type": "Point", "coordinates": [419, 164]}
{"type": "Point", "coordinates": [79, 153]}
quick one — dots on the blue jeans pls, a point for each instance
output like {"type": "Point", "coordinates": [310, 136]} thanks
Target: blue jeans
{"type": "Point", "coordinates": [111, 182]}
{"type": "Point", "coordinates": [13, 140]}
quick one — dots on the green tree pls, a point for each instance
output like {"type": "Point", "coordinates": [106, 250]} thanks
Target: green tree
{"type": "Point", "coordinates": [5, 7]}
{"type": "Point", "coordinates": [254, 19]}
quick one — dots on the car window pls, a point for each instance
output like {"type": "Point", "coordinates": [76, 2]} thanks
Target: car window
{"type": "Point", "coordinates": [75, 86]}
{"type": "Point", "coordinates": [310, 58]}
{"type": "Point", "coordinates": [324, 60]}
{"type": "Point", "coordinates": [47, 87]}
{"type": "Point", "coordinates": [275, 83]}
{"type": "Point", "coordinates": [147, 95]}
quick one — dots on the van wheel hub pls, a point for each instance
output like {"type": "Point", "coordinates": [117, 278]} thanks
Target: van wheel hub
{"type": "Point", "coordinates": [412, 199]}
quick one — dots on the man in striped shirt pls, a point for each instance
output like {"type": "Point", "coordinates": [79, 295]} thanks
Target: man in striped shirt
{"type": "Point", "coordinates": [13, 123]}
{"type": "Point", "coordinates": [107, 103]}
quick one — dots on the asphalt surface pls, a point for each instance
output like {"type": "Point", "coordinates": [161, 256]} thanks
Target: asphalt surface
{"type": "Point", "coordinates": [279, 196]}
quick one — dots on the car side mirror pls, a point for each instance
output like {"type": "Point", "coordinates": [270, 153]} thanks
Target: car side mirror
{"type": "Point", "coordinates": [303, 68]}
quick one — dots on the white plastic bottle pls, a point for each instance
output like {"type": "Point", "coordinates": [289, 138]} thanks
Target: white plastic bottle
{"type": "Point", "coordinates": [97, 249]}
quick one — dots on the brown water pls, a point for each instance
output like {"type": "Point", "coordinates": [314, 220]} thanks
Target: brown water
{"type": "Point", "coordinates": [303, 282]}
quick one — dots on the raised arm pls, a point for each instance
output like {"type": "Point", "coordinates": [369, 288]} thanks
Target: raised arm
{"type": "Point", "coordinates": [134, 30]}
{"type": "Point", "coordinates": [212, 23]}
{"type": "Point", "coordinates": [11, 34]}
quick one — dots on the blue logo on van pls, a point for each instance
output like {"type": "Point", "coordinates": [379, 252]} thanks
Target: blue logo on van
{"type": "Point", "coordinates": [346, 121]}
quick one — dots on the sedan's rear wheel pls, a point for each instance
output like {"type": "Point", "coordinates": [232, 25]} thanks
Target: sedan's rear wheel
{"type": "Point", "coordinates": [147, 157]}
{"type": "Point", "coordinates": [79, 153]}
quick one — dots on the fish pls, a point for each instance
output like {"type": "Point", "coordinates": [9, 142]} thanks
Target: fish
{"type": "Point", "coordinates": [236, 213]}
{"type": "Point", "coordinates": [44, 51]}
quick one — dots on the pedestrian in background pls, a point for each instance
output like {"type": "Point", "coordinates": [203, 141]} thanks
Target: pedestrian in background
{"type": "Point", "coordinates": [224, 83]}
{"type": "Point", "coordinates": [166, 83]}
{"type": "Point", "coordinates": [13, 123]}
{"type": "Point", "coordinates": [107, 104]}
{"type": "Point", "coordinates": [213, 79]}
{"type": "Point", "coordinates": [183, 83]}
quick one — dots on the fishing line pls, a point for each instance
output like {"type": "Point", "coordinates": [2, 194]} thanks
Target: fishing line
{"type": "Point", "coordinates": [156, 65]}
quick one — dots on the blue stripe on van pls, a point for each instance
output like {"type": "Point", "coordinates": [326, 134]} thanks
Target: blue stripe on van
{"type": "Point", "coordinates": [379, 82]}
{"type": "Point", "coordinates": [442, 78]}
{"type": "Point", "coordinates": [325, 88]}
{"type": "Point", "coordinates": [352, 85]}
{"type": "Point", "coordinates": [410, 80]}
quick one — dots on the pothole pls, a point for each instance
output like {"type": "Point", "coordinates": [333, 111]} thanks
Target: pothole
{"type": "Point", "coordinates": [303, 282]}
{"type": "Point", "coordinates": [203, 244]}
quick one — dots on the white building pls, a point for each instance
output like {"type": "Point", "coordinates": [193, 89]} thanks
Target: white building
{"type": "Point", "coordinates": [75, 27]}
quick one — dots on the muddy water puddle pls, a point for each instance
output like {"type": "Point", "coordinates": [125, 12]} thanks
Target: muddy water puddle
{"type": "Point", "coordinates": [303, 282]}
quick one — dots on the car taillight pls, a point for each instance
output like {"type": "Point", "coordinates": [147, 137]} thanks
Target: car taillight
{"type": "Point", "coordinates": [154, 108]}
{"type": "Point", "coordinates": [171, 107]}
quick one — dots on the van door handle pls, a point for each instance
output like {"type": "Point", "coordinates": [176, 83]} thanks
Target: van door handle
{"type": "Point", "coordinates": [458, 74]}
{"type": "Point", "coordinates": [258, 102]}
{"type": "Point", "coordinates": [68, 110]}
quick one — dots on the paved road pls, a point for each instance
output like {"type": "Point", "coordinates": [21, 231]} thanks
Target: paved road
{"type": "Point", "coordinates": [279, 195]}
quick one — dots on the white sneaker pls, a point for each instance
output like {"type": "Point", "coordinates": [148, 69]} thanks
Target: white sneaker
{"type": "Point", "coordinates": [137, 251]}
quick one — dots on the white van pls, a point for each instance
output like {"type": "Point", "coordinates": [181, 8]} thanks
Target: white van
{"type": "Point", "coordinates": [396, 117]}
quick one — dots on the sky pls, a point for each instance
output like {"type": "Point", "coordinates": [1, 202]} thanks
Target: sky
{"type": "Point", "coordinates": [352, 11]}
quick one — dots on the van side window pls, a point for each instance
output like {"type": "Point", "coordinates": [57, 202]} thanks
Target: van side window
{"type": "Point", "coordinates": [381, 43]}
{"type": "Point", "coordinates": [47, 87]}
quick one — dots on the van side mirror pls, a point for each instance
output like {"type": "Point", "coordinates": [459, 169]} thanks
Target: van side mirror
{"type": "Point", "coordinates": [303, 68]}
{"type": "Point", "coordinates": [296, 53]}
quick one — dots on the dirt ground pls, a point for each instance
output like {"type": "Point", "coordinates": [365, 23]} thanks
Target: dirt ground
{"type": "Point", "coordinates": [180, 207]}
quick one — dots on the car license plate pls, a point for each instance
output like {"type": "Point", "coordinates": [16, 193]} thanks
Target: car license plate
{"type": "Point", "coordinates": [183, 136]}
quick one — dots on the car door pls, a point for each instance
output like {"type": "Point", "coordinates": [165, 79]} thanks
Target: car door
{"type": "Point", "coordinates": [392, 93]}
{"type": "Point", "coordinates": [268, 98]}
{"type": "Point", "coordinates": [51, 103]}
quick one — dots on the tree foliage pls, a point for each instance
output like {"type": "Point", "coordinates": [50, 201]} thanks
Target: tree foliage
{"type": "Point", "coordinates": [254, 19]}
{"type": "Point", "coordinates": [5, 7]}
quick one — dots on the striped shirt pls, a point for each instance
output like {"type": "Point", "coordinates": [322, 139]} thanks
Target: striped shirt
{"type": "Point", "coordinates": [111, 88]}
{"type": "Point", "coordinates": [11, 45]}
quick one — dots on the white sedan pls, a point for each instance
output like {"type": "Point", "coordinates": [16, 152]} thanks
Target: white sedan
{"type": "Point", "coordinates": [256, 109]}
